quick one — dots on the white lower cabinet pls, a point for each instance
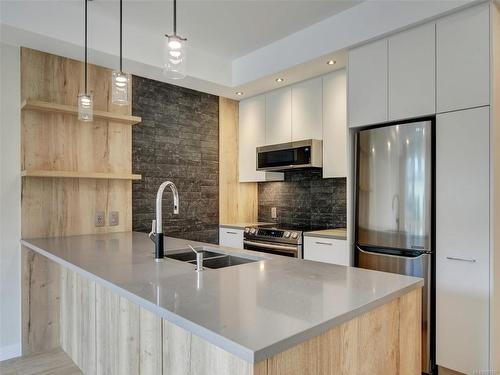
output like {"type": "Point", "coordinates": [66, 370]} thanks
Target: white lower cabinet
{"type": "Point", "coordinates": [231, 237]}
{"type": "Point", "coordinates": [462, 240]}
{"type": "Point", "coordinates": [328, 250]}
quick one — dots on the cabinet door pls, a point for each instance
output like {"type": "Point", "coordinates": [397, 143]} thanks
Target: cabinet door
{"type": "Point", "coordinates": [326, 250]}
{"type": "Point", "coordinates": [367, 80]}
{"type": "Point", "coordinates": [279, 116]}
{"type": "Point", "coordinates": [463, 59]}
{"type": "Point", "coordinates": [307, 116]}
{"type": "Point", "coordinates": [252, 124]}
{"type": "Point", "coordinates": [252, 130]}
{"type": "Point", "coordinates": [231, 237]}
{"type": "Point", "coordinates": [335, 124]}
{"type": "Point", "coordinates": [412, 84]}
{"type": "Point", "coordinates": [462, 240]}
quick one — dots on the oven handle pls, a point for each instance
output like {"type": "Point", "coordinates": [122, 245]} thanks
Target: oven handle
{"type": "Point", "coordinates": [288, 249]}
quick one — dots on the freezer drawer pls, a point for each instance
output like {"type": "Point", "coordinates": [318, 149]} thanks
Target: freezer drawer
{"type": "Point", "coordinates": [418, 265]}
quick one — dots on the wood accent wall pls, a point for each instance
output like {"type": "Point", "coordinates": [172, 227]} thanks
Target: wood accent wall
{"type": "Point", "coordinates": [65, 206]}
{"type": "Point", "coordinates": [238, 201]}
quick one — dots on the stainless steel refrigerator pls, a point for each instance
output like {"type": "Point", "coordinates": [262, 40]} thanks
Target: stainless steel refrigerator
{"type": "Point", "coordinates": [394, 214]}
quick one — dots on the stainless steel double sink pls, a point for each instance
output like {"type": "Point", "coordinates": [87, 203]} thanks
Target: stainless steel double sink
{"type": "Point", "coordinates": [211, 259]}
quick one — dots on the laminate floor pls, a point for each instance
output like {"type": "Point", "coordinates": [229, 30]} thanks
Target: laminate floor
{"type": "Point", "coordinates": [54, 362]}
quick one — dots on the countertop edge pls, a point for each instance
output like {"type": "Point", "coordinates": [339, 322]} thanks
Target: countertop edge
{"type": "Point", "coordinates": [332, 236]}
{"type": "Point", "coordinates": [232, 226]}
{"type": "Point", "coordinates": [248, 355]}
{"type": "Point", "coordinates": [242, 225]}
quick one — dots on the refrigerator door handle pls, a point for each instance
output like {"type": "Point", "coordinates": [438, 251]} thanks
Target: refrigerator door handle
{"type": "Point", "coordinates": [470, 260]}
{"type": "Point", "coordinates": [421, 254]}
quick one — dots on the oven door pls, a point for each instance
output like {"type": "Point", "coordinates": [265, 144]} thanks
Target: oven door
{"type": "Point", "coordinates": [273, 248]}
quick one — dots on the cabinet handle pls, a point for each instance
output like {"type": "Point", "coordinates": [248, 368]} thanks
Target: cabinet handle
{"type": "Point", "coordinates": [462, 259]}
{"type": "Point", "coordinates": [323, 243]}
{"type": "Point", "coordinates": [231, 232]}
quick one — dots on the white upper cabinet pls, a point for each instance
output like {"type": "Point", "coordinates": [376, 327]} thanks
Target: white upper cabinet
{"type": "Point", "coordinates": [335, 124]}
{"type": "Point", "coordinates": [463, 59]}
{"type": "Point", "coordinates": [367, 80]}
{"type": "Point", "coordinates": [252, 130]}
{"type": "Point", "coordinates": [278, 128]}
{"type": "Point", "coordinates": [307, 118]}
{"type": "Point", "coordinates": [462, 239]}
{"type": "Point", "coordinates": [412, 61]}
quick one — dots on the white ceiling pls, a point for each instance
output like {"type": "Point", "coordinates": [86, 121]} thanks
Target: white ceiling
{"type": "Point", "coordinates": [229, 28]}
{"type": "Point", "coordinates": [234, 45]}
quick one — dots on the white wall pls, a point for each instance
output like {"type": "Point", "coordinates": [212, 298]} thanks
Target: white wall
{"type": "Point", "coordinates": [10, 203]}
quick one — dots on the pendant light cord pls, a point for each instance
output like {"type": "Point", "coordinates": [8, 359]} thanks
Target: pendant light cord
{"type": "Point", "coordinates": [121, 39]}
{"type": "Point", "coordinates": [175, 17]}
{"type": "Point", "coordinates": [86, 1]}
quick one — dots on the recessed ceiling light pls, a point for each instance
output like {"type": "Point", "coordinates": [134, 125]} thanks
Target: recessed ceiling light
{"type": "Point", "coordinates": [239, 93]}
{"type": "Point", "coordinates": [279, 80]}
{"type": "Point", "coordinates": [331, 62]}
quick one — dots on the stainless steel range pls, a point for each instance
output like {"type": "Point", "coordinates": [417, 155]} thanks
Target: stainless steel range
{"type": "Point", "coordinates": [280, 239]}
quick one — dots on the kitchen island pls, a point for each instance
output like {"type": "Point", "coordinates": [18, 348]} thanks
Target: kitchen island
{"type": "Point", "coordinates": [123, 313]}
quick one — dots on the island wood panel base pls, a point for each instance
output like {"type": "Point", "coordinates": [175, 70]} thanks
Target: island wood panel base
{"type": "Point", "coordinates": [383, 341]}
{"type": "Point", "coordinates": [40, 301]}
{"type": "Point", "coordinates": [131, 340]}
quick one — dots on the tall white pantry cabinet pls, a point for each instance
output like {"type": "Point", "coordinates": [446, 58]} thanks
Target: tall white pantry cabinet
{"type": "Point", "coordinates": [451, 68]}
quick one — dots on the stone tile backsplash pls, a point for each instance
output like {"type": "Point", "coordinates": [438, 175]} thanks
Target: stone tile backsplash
{"type": "Point", "coordinates": [305, 198]}
{"type": "Point", "coordinates": [178, 140]}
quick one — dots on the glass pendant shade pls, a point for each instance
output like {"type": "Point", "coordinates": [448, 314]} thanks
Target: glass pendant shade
{"type": "Point", "coordinates": [174, 57]}
{"type": "Point", "coordinates": [119, 94]}
{"type": "Point", "coordinates": [85, 107]}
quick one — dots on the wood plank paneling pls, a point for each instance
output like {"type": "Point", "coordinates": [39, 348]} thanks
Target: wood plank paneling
{"type": "Point", "coordinates": [150, 355]}
{"type": "Point", "coordinates": [40, 303]}
{"type": "Point", "coordinates": [78, 322]}
{"type": "Point", "coordinates": [383, 341]}
{"type": "Point", "coordinates": [238, 201]}
{"type": "Point", "coordinates": [66, 206]}
{"type": "Point", "coordinates": [117, 332]}
{"type": "Point", "coordinates": [128, 338]}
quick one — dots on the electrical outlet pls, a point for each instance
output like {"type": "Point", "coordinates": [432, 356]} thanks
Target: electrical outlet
{"type": "Point", "coordinates": [114, 218]}
{"type": "Point", "coordinates": [99, 219]}
{"type": "Point", "coordinates": [274, 214]}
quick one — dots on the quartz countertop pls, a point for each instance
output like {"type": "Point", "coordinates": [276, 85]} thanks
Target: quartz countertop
{"type": "Point", "coordinates": [253, 310]}
{"type": "Point", "coordinates": [241, 225]}
{"type": "Point", "coordinates": [337, 233]}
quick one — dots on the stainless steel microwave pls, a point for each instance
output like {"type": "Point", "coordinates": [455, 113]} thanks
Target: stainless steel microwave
{"type": "Point", "coordinates": [290, 155]}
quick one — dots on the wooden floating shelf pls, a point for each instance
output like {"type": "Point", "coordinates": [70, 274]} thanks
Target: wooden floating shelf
{"type": "Point", "coordinates": [38, 105]}
{"type": "Point", "coordinates": [69, 174]}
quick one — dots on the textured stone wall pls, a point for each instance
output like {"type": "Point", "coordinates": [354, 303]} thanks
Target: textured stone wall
{"type": "Point", "coordinates": [178, 140]}
{"type": "Point", "coordinates": [305, 198]}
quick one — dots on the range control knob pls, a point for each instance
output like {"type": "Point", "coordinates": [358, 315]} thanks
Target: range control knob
{"type": "Point", "coordinates": [252, 231]}
{"type": "Point", "coordinates": [295, 235]}
{"type": "Point", "coordinates": [287, 234]}
{"type": "Point", "coordinates": [247, 229]}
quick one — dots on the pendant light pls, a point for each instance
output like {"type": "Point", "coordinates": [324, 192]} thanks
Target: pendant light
{"type": "Point", "coordinates": [119, 94]}
{"type": "Point", "coordinates": [174, 53]}
{"type": "Point", "coordinates": [85, 103]}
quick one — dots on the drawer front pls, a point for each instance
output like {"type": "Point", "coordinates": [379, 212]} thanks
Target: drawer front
{"type": "Point", "coordinates": [326, 250]}
{"type": "Point", "coordinates": [231, 237]}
